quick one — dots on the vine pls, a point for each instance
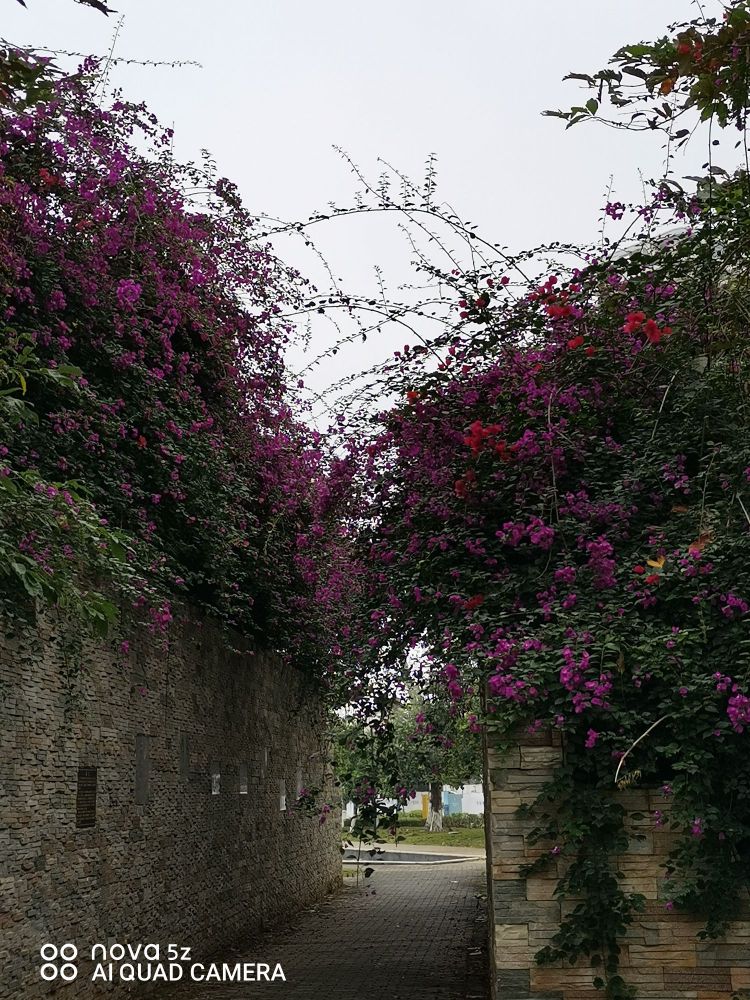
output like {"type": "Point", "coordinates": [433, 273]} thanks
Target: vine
{"type": "Point", "coordinates": [561, 501]}
{"type": "Point", "coordinates": [153, 443]}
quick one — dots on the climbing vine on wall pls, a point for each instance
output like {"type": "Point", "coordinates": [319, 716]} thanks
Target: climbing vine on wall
{"type": "Point", "coordinates": [150, 435]}
{"type": "Point", "coordinates": [563, 510]}
{"type": "Point", "coordinates": [554, 510]}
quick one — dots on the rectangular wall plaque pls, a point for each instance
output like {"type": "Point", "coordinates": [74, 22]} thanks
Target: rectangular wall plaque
{"type": "Point", "coordinates": [142, 768]}
{"type": "Point", "coordinates": [86, 798]}
{"type": "Point", "coordinates": [184, 757]}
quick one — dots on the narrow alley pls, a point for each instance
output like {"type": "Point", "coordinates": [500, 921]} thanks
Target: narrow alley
{"type": "Point", "coordinates": [406, 933]}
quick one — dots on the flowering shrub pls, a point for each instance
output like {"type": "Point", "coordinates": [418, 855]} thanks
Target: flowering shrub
{"type": "Point", "coordinates": [559, 500]}
{"type": "Point", "coordinates": [147, 320]}
{"type": "Point", "coordinates": [563, 516]}
{"type": "Point", "coordinates": [573, 528]}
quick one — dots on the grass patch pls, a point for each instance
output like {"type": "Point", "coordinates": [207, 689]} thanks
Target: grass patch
{"type": "Point", "coordinates": [446, 838]}
{"type": "Point", "coordinates": [411, 831]}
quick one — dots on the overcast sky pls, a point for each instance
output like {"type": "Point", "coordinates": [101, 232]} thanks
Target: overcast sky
{"type": "Point", "coordinates": [282, 81]}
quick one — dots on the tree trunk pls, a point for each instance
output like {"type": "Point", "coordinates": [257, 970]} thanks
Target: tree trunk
{"type": "Point", "coordinates": [435, 815]}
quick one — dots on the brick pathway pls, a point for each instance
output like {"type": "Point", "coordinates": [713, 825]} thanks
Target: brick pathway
{"type": "Point", "coordinates": [419, 935]}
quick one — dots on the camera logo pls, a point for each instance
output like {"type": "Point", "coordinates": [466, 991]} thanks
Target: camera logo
{"type": "Point", "coordinates": [49, 969]}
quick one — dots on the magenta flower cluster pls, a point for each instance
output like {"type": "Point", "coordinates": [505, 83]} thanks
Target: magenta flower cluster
{"type": "Point", "coordinates": [183, 425]}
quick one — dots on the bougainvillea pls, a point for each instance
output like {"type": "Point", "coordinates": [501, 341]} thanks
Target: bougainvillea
{"type": "Point", "coordinates": [558, 501]}
{"type": "Point", "coordinates": [563, 516]}
{"type": "Point", "coordinates": [142, 352]}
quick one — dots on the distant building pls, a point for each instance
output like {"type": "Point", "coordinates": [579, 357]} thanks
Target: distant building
{"type": "Point", "coordinates": [466, 799]}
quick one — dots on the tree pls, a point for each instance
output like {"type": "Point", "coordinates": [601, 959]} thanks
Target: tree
{"type": "Point", "coordinates": [446, 748]}
{"type": "Point", "coordinates": [422, 742]}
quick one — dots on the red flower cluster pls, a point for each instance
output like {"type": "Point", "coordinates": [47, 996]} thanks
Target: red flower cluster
{"type": "Point", "coordinates": [463, 485]}
{"type": "Point", "coordinates": [558, 307]}
{"type": "Point", "coordinates": [545, 291]}
{"type": "Point", "coordinates": [654, 332]}
{"type": "Point", "coordinates": [48, 178]}
{"type": "Point", "coordinates": [691, 47]}
{"type": "Point", "coordinates": [579, 341]}
{"type": "Point", "coordinates": [474, 602]}
{"type": "Point", "coordinates": [480, 303]}
{"type": "Point", "coordinates": [556, 304]}
{"type": "Point", "coordinates": [480, 436]}
{"type": "Point", "coordinates": [636, 321]}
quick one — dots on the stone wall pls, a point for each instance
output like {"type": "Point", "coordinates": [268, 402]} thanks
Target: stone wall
{"type": "Point", "coordinates": [191, 751]}
{"type": "Point", "coordinates": [661, 954]}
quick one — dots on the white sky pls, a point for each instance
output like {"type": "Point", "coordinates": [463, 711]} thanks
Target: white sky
{"type": "Point", "coordinates": [284, 80]}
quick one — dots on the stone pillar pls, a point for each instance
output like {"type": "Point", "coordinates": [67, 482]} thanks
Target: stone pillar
{"type": "Point", "coordinates": [661, 953]}
{"type": "Point", "coordinates": [524, 911]}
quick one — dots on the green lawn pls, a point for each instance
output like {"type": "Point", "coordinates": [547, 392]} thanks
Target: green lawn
{"type": "Point", "coordinates": [446, 838]}
{"type": "Point", "coordinates": [411, 831]}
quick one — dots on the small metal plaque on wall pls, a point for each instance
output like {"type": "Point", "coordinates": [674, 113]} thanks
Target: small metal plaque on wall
{"type": "Point", "coordinates": [142, 768]}
{"type": "Point", "coordinates": [86, 798]}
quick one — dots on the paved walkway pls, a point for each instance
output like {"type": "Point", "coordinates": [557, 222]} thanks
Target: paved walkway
{"type": "Point", "coordinates": [413, 933]}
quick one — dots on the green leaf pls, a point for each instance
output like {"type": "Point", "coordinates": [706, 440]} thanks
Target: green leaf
{"type": "Point", "coordinates": [71, 371]}
{"type": "Point", "coordinates": [111, 612]}
{"type": "Point", "coordinates": [32, 586]}
{"type": "Point", "coordinates": [637, 51]}
{"type": "Point", "coordinates": [634, 71]}
{"type": "Point", "coordinates": [59, 376]}
{"type": "Point", "coordinates": [118, 550]}
{"type": "Point", "coordinates": [100, 625]}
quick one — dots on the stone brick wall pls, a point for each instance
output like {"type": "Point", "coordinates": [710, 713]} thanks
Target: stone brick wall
{"type": "Point", "coordinates": [193, 750]}
{"type": "Point", "coordinates": [661, 954]}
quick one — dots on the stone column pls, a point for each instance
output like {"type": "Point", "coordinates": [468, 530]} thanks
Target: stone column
{"type": "Point", "coordinates": [661, 953]}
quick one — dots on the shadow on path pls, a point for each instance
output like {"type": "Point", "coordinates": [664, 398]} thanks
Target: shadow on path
{"type": "Point", "coordinates": [408, 933]}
